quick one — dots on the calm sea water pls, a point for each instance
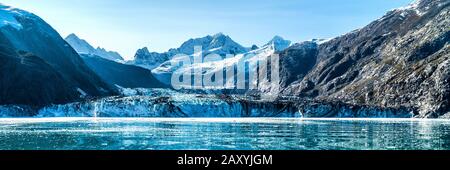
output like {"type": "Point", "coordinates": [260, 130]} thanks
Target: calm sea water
{"type": "Point", "coordinates": [227, 134]}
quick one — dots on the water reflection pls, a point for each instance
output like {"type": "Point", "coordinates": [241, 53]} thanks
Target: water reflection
{"type": "Point", "coordinates": [246, 134]}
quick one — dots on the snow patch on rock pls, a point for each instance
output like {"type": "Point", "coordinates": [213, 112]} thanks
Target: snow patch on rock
{"type": "Point", "coordinates": [7, 17]}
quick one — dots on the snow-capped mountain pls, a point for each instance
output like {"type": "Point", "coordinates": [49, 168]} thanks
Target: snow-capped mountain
{"type": "Point", "coordinates": [149, 60]}
{"type": "Point", "coordinates": [38, 67]}
{"type": "Point", "coordinates": [219, 44]}
{"type": "Point", "coordinates": [110, 55]}
{"type": "Point", "coordinates": [277, 44]}
{"type": "Point", "coordinates": [83, 47]}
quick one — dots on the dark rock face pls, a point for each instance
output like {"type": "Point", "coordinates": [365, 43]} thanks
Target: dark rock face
{"type": "Point", "coordinates": [27, 79]}
{"type": "Point", "coordinates": [400, 60]}
{"type": "Point", "coordinates": [297, 61]}
{"type": "Point", "coordinates": [39, 68]}
{"type": "Point", "coordinates": [127, 76]}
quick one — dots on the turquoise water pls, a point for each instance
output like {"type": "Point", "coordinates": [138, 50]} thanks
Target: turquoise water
{"type": "Point", "coordinates": [227, 134]}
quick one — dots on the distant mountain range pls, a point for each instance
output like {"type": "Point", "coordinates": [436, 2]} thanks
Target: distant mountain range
{"type": "Point", "coordinates": [83, 47]}
{"type": "Point", "coordinates": [219, 44]}
{"type": "Point", "coordinates": [165, 70]}
{"type": "Point", "coordinates": [398, 61]}
{"type": "Point", "coordinates": [149, 60]}
{"type": "Point", "coordinates": [111, 67]}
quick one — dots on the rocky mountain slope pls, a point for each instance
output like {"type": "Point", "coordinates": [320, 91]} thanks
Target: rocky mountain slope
{"type": "Point", "coordinates": [38, 67]}
{"type": "Point", "coordinates": [399, 60]}
{"type": "Point", "coordinates": [123, 75]}
{"type": "Point", "coordinates": [83, 47]}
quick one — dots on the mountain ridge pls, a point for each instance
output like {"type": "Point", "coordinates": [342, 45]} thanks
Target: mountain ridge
{"type": "Point", "coordinates": [218, 43]}
{"type": "Point", "coordinates": [399, 60]}
{"type": "Point", "coordinates": [83, 47]}
{"type": "Point", "coordinates": [165, 70]}
{"type": "Point", "coordinates": [34, 74]}
{"type": "Point", "coordinates": [123, 75]}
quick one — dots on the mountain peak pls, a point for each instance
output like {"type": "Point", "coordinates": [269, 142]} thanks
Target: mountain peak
{"type": "Point", "coordinates": [219, 35]}
{"type": "Point", "coordinates": [72, 35]}
{"type": "Point", "coordinates": [254, 47]}
{"type": "Point", "coordinates": [277, 39]}
{"type": "Point", "coordinates": [422, 6]}
{"type": "Point", "coordinates": [279, 43]}
{"type": "Point", "coordinates": [149, 60]}
{"type": "Point", "coordinates": [219, 43]}
{"type": "Point", "coordinates": [142, 51]}
{"type": "Point", "coordinates": [221, 39]}
{"type": "Point", "coordinates": [81, 46]}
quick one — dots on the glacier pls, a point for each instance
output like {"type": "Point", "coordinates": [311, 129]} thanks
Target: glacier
{"type": "Point", "coordinates": [165, 103]}
{"type": "Point", "coordinates": [168, 103]}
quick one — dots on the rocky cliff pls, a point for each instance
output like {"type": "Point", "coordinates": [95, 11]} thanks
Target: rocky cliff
{"type": "Point", "coordinates": [399, 60]}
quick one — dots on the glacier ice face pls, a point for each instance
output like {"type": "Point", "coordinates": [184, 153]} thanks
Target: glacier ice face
{"type": "Point", "coordinates": [167, 103]}
{"type": "Point", "coordinates": [171, 104]}
{"type": "Point", "coordinates": [341, 110]}
{"type": "Point", "coordinates": [15, 111]}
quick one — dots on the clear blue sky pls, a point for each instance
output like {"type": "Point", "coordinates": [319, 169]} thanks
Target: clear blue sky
{"type": "Point", "coordinates": [126, 25]}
